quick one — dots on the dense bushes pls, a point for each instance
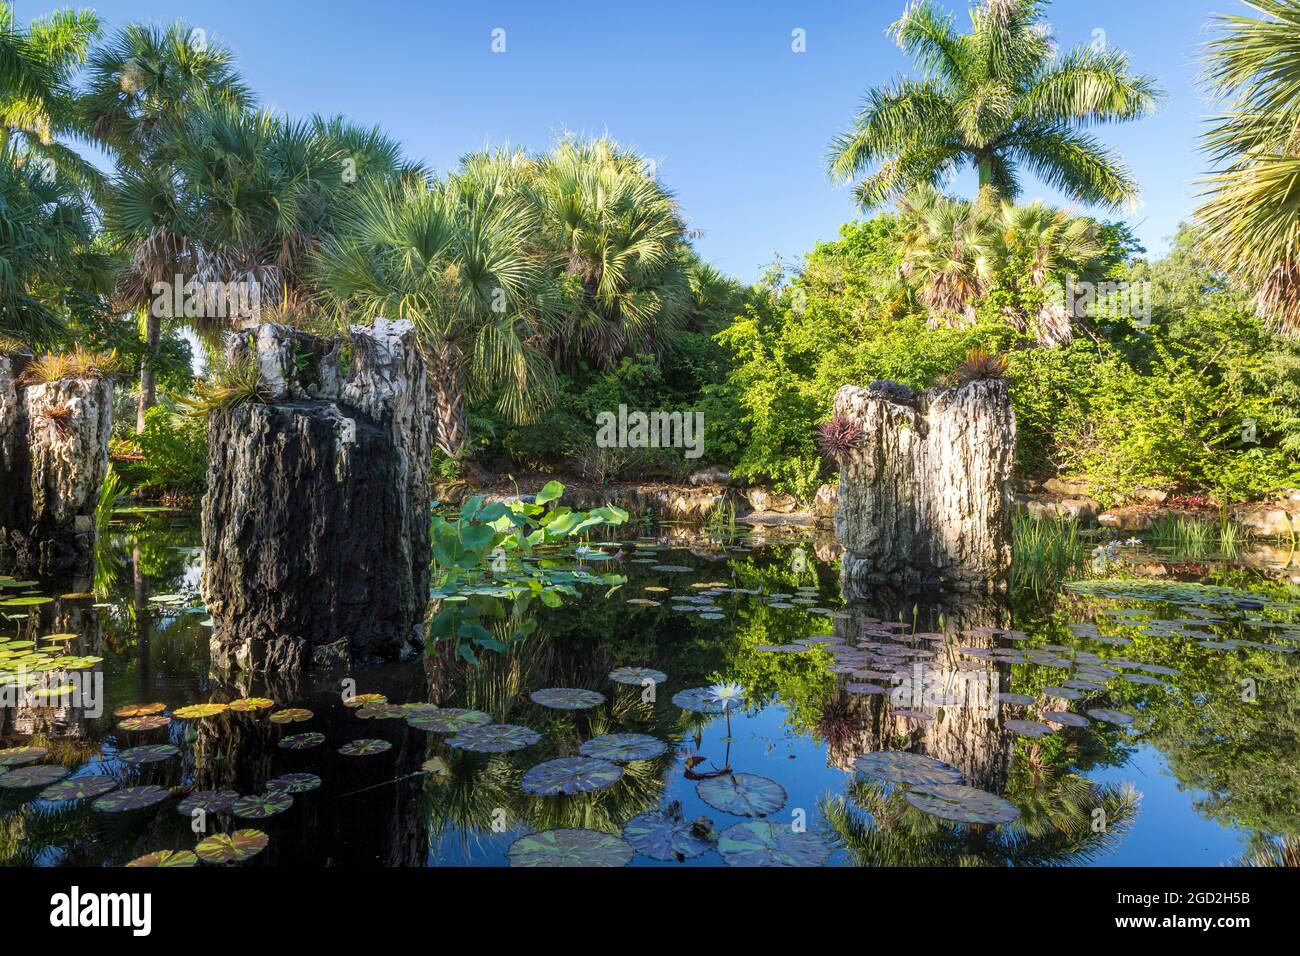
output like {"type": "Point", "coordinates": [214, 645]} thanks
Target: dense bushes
{"type": "Point", "coordinates": [173, 450]}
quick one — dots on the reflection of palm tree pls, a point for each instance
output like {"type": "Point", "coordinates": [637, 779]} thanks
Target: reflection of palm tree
{"type": "Point", "coordinates": [1056, 826]}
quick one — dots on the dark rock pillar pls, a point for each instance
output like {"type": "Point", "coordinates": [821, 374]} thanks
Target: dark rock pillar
{"type": "Point", "coordinates": [316, 518]}
{"type": "Point", "coordinates": [925, 499]}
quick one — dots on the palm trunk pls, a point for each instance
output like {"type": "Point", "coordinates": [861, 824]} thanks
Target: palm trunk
{"type": "Point", "coordinates": [453, 421]}
{"type": "Point", "coordinates": [148, 373]}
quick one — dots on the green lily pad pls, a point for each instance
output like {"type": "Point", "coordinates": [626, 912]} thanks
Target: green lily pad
{"type": "Point", "coordinates": [963, 804]}
{"type": "Point", "coordinates": [130, 798]}
{"type": "Point", "coordinates": [38, 775]}
{"type": "Point", "coordinates": [198, 711]}
{"type": "Point", "coordinates": [637, 676]}
{"type": "Point", "coordinates": [567, 698]}
{"type": "Point", "coordinates": [151, 754]}
{"type": "Point", "coordinates": [209, 801]}
{"type": "Point", "coordinates": [79, 788]}
{"type": "Point", "coordinates": [764, 843]}
{"type": "Point", "coordinates": [364, 748]}
{"type": "Point", "coordinates": [621, 748]}
{"type": "Point", "coordinates": [744, 794]}
{"type": "Point", "coordinates": [664, 837]}
{"type": "Point", "coordinates": [290, 715]}
{"type": "Point", "coordinates": [262, 805]}
{"type": "Point", "coordinates": [302, 741]}
{"type": "Point", "coordinates": [17, 756]}
{"type": "Point", "coordinates": [907, 769]}
{"type": "Point", "coordinates": [231, 847]}
{"type": "Point", "coordinates": [494, 738]}
{"type": "Point", "coordinates": [448, 720]}
{"type": "Point", "coordinates": [571, 775]}
{"type": "Point", "coordinates": [166, 858]}
{"type": "Point", "coordinates": [570, 848]}
{"type": "Point", "coordinates": [245, 704]}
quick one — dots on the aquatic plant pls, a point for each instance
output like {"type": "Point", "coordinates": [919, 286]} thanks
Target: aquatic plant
{"type": "Point", "coordinates": [1044, 551]}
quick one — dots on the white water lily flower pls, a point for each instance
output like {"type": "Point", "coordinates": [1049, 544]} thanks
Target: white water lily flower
{"type": "Point", "coordinates": [728, 695]}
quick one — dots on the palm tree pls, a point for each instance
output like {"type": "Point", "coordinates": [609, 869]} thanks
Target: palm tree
{"type": "Point", "coordinates": [947, 254]}
{"type": "Point", "coordinates": [999, 99]}
{"type": "Point", "coordinates": [613, 236]}
{"type": "Point", "coordinates": [37, 98]}
{"type": "Point", "coordinates": [454, 257]}
{"type": "Point", "coordinates": [1251, 213]}
{"type": "Point", "coordinates": [141, 86]}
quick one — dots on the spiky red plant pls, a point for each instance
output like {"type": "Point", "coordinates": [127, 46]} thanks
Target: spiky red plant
{"type": "Point", "coordinates": [979, 364]}
{"type": "Point", "coordinates": [838, 437]}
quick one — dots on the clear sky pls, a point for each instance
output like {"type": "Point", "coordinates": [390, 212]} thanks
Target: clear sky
{"type": "Point", "coordinates": [738, 122]}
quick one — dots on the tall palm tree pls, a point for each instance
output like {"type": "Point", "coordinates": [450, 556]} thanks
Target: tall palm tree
{"type": "Point", "coordinates": [454, 257]}
{"type": "Point", "coordinates": [1251, 212]}
{"type": "Point", "coordinates": [613, 236]}
{"type": "Point", "coordinates": [140, 87]}
{"type": "Point", "coordinates": [38, 102]}
{"type": "Point", "coordinates": [947, 254]}
{"type": "Point", "coordinates": [1000, 99]}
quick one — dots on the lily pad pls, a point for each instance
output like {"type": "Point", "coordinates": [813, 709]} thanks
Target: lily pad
{"type": "Point", "coordinates": [699, 700]}
{"type": "Point", "coordinates": [251, 703]}
{"type": "Point", "coordinates": [139, 710]}
{"type": "Point", "coordinates": [621, 748]}
{"type": "Point", "coordinates": [38, 775]}
{"type": "Point", "coordinates": [262, 805]}
{"type": "Point", "coordinates": [130, 798]}
{"type": "Point", "coordinates": [166, 858]}
{"type": "Point", "coordinates": [209, 801]}
{"type": "Point", "coordinates": [1116, 717]}
{"type": "Point", "coordinates": [79, 788]}
{"type": "Point", "coordinates": [637, 676]}
{"type": "Point", "coordinates": [570, 848]}
{"type": "Point", "coordinates": [664, 837]}
{"type": "Point", "coordinates": [151, 754]}
{"type": "Point", "coordinates": [907, 769]}
{"type": "Point", "coordinates": [152, 722]}
{"type": "Point", "coordinates": [571, 775]}
{"type": "Point", "coordinates": [963, 804]}
{"type": "Point", "coordinates": [448, 720]}
{"type": "Point", "coordinates": [290, 715]}
{"type": "Point", "coordinates": [764, 843]}
{"type": "Point", "coordinates": [744, 794]}
{"type": "Point", "coordinates": [198, 711]}
{"type": "Point", "coordinates": [1064, 718]}
{"type": "Point", "coordinates": [1029, 728]}
{"type": "Point", "coordinates": [363, 700]}
{"type": "Point", "coordinates": [567, 698]}
{"type": "Point", "coordinates": [293, 783]}
{"type": "Point", "coordinates": [494, 738]}
{"type": "Point", "coordinates": [231, 847]}
{"type": "Point", "coordinates": [17, 756]}
{"type": "Point", "coordinates": [364, 748]}
{"type": "Point", "coordinates": [302, 741]}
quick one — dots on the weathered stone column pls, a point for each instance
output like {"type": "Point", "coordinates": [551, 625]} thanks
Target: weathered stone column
{"type": "Point", "coordinates": [925, 498]}
{"type": "Point", "coordinates": [53, 458]}
{"type": "Point", "coordinates": [316, 517]}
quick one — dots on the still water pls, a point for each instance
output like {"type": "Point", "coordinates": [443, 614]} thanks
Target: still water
{"type": "Point", "coordinates": [1128, 720]}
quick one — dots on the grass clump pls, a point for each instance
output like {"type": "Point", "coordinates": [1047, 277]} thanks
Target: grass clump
{"type": "Point", "coordinates": [1045, 551]}
{"type": "Point", "coordinates": [77, 364]}
{"type": "Point", "coordinates": [233, 383]}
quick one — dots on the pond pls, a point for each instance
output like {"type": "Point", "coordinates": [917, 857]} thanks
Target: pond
{"type": "Point", "coordinates": [1134, 719]}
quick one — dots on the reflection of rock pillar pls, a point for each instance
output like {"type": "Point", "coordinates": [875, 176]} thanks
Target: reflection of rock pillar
{"type": "Point", "coordinates": [53, 458]}
{"type": "Point", "coordinates": [926, 497]}
{"type": "Point", "coordinates": [316, 518]}
{"type": "Point", "coordinates": [966, 735]}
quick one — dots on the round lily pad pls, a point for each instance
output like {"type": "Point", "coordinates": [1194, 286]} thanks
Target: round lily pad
{"type": "Point", "coordinates": [963, 804]}
{"type": "Point", "coordinates": [637, 676]}
{"type": "Point", "coordinates": [166, 858]}
{"type": "Point", "coordinates": [1018, 700]}
{"type": "Point", "coordinates": [293, 783]}
{"type": "Point", "coordinates": [571, 775]}
{"type": "Point", "coordinates": [150, 754]}
{"type": "Point", "coordinates": [621, 748]}
{"type": "Point", "coordinates": [231, 847]}
{"type": "Point", "coordinates": [662, 837]}
{"type": "Point", "coordinates": [865, 689]}
{"type": "Point", "coordinates": [38, 775]}
{"type": "Point", "coordinates": [363, 700]}
{"type": "Point", "coordinates": [381, 712]}
{"type": "Point", "coordinates": [699, 700]}
{"type": "Point", "coordinates": [1064, 718]}
{"type": "Point", "coordinates": [79, 788]}
{"type": "Point", "coordinates": [302, 741]}
{"type": "Point", "coordinates": [17, 756]}
{"type": "Point", "coordinates": [197, 711]}
{"type": "Point", "coordinates": [290, 715]}
{"type": "Point", "coordinates": [448, 720]}
{"type": "Point", "coordinates": [567, 698]}
{"type": "Point", "coordinates": [153, 722]}
{"type": "Point", "coordinates": [139, 710]}
{"type": "Point", "coordinates": [251, 703]}
{"type": "Point", "coordinates": [262, 805]}
{"type": "Point", "coordinates": [364, 748]}
{"type": "Point", "coordinates": [209, 801]}
{"type": "Point", "coordinates": [1029, 728]}
{"type": "Point", "coordinates": [130, 798]}
{"type": "Point", "coordinates": [1116, 717]}
{"type": "Point", "coordinates": [906, 769]}
{"type": "Point", "coordinates": [764, 843]}
{"type": "Point", "coordinates": [744, 794]}
{"type": "Point", "coordinates": [570, 848]}
{"type": "Point", "coordinates": [494, 738]}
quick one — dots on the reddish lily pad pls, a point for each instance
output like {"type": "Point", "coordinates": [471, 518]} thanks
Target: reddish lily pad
{"type": "Point", "coordinates": [79, 788]}
{"type": "Point", "coordinates": [364, 748]}
{"type": "Point", "coordinates": [302, 741]}
{"type": "Point", "coordinates": [262, 805]}
{"type": "Point", "coordinates": [130, 798]}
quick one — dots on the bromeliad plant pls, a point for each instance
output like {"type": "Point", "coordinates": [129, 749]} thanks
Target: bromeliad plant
{"type": "Point", "coordinates": [518, 552]}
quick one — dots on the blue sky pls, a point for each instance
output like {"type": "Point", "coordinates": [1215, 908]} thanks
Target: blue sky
{"type": "Point", "coordinates": [738, 122]}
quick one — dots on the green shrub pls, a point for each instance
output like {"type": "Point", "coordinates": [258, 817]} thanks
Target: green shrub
{"type": "Point", "coordinates": [175, 454]}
